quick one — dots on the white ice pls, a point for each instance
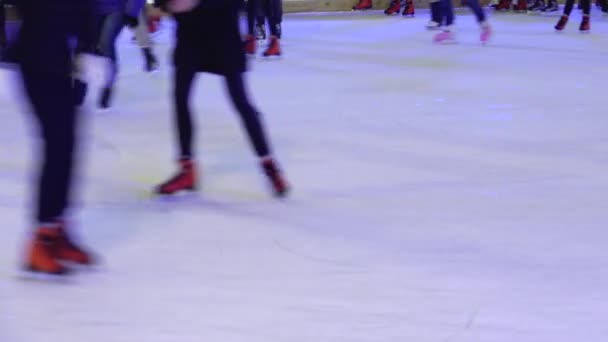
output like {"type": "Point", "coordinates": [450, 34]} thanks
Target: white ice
{"type": "Point", "coordinates": [442, 193]}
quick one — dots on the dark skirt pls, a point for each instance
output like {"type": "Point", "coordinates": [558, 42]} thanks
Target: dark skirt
{"type": "Point", "coordinates": [208, 39]}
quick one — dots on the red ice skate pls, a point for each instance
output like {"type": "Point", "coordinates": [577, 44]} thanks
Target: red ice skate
{"type": "Point", "coordinates": [251, 45]}
{"type": "Point", "coordinates": [393, 7]}
{"type": "Point", "coordinates": [503, 5]}
{"type": "Point", "coordinates": [521, 6]}
{"type": "Point", "coordinates": [409, 10]}
{"type": "Point", "coordinates": [184, 180]}
{"type": "Point", "coordinates": [279, 184]}
{"type": "Point", "coordinates": [585, 24]}
{"type": "Point", "coordinates": [68, 250]}
{"type": "Point", "coordinates": [363, 5]}
{"type": "Point", "coordinates": [43, 253]}
{"type": "Point", "coordinates": [561, 24]}
{"type": "Point", "coordinates": [274, 48]}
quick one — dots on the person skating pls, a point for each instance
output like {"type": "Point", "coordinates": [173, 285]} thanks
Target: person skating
{"type": "Point", "coordinates": [260, 11]}
{"type": "Point", "coordinates": [585, 25]}
{"type": "Point", "coordinates": [447, 14]}
{"type": "Point", "coordinates": [44, 55]}
{"type": "Point", "coordinates": [395, 6]}
{"type": "Point", "coordinates": [208, 40]}
{"type": "Point", "coordinates": [142, 36]}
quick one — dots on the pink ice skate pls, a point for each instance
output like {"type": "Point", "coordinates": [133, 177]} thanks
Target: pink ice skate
{"type": "Point", "coordinates": [486, 33]}
{"type": "Point", "coordinates": [444, 37]}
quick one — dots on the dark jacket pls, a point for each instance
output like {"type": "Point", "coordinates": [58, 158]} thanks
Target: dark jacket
{"type": "Point", "coordinates": [47, 26]}
{"type": "Point", "coordinates": [128, 7]}
{"type": "Point", "coordinates": [208, 39]}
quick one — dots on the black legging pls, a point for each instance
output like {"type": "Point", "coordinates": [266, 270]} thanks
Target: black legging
{"type": "Point", "coordinates": [2, 24]}
{"type": "Point", "coordinates": [51, 98]}
{"type": "Point", "coordinates": [585, 4]}
{"type": "Point", "coordinates": [271, 9]}
{"type": "Point", "coordinates": [183, 80]}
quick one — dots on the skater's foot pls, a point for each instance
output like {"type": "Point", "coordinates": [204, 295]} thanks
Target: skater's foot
{"type": "Point", "coordinates": [43, 253]}
{"type": "Point", "coordinates": [363, 5]}
{"type": "Point", "coordinates": [278, 183]}
{"type": "Point", "coordinates": [105, 98]}
{"type": "Point", "coordinates": [446, 36]}
{"type": "Point", "coordinates": [274, 48]}
{"type": "Point", "coordinates": [250, 45]}
{"type": "Point", "coordinates": [184, 180]}
{"type": "Point", "coordinates": [561, 24]}
{"type": "Point", "coordinates": [585, 24]}
{"type": "Point", "coordinates": [486, 33]}
{"type": "Point", "coordinates": [409, 10]}
{"type": "Point", "coordinates": [432, 25]}
{"type": "Point", "coordinates": [393, 7]}
{"type": "Point", "coordinates": [150, 60]}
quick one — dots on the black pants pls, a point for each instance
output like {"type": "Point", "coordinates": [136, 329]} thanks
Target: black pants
{"type": "Point", "coordinates": [2, 24]}
{"type": "Point", "coordinates": [183, 81]}
{"type": "Point", "coordinates": [51, 97]}
{"type": "Point", "coordinates": [585, 5]}
{"type": "Point", "coordinates": [271, 9]}
{"type": "Point", "coordinates": [110, 26]}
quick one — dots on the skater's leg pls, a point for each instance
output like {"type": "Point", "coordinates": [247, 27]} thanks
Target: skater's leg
{"type": "Point", "coordinates": [249, 116]}
{"type": "Point", "coordinates": [274, 12]}
{"type": "Point", "coordinates": [447, 10]}
{"type": "Point", "coordinates": [252, 11]}
{"type": "Point", "coordinates": [2, 24]}
{"type": "Point", "coordinates": [142, 35]}
{"type": "Point", "coordinates": [183, 81]}
{"type": "Point", "coordinates": [586, 5]}
{"type": "Point", "coordinates": [476, 8]}
{"type": "Point", "coordinates": [51, 98]}
{"type": "Point", "coordinates": [436, 11]}
{"type": "Point", "coordinates": [568, 7]}
{"type": "Point", "coordinates": [111, 28]}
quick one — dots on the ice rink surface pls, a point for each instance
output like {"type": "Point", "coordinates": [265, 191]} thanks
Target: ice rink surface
{"type": "Point", "coordinates": [441, 194]}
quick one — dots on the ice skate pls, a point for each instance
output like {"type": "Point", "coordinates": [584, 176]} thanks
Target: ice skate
{"type": "Point", "coordinates": [393, 7]}
{"type": "Point", "coordinates": [278, 183]}
{"type": "Point", "coordinates": [552, 6]}
{"type": "Point", "coordinates": [251, 45]}
{"type": "Point", "coordinates": [105, 98]}
{"type": "Point", "coordinates": [486, 33]}
{"type": "Point", "coordinates": [363, 5]}
{"type": "Point", "coordinates": [521, 6]}
{"type": "Point", "coordinates": [561, 24]}
{"type": "Point", "coordinates": [43, 252]}
{"type": "Point", "coordinates": [151, 62]}
{"type": "Point", "coordinates": [446, 36]}
{"type": "Point", "coordinates": [274, 48]}
{"type": "Point", "coordinates": [184, 180]}
{"type": "Point", "coordinates": [432, 25]}
{"type": "Point", "coordinates": [409, 10]}
{"type": "Point", "coordinates": [585, 26]}
{"type": "Point", "coordinates": [537, 6]}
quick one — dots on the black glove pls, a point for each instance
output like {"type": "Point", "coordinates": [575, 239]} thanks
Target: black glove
{"type": "Point", "coordinates": [132, 22]}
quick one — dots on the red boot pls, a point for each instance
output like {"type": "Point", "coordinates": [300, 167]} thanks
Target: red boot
{"type": "Point", "coordinates": [279, 184]}
{"type": "Point", "coordinates": [251, 45]}
{"type": "Point", "coordinates": [69, 251]}
{"type": "Point", "coordinates": [393, 7]}
{"type": "Point", "coordinates": [409, 8]}
{"type": "Point", "coordinates": [274, 48]}
{"type": "Point", "coordinates": [561, 24]}
{"type": "Point", "coordinates": [521, 6]}
{"type": "Point", "coordinates": [585, 24]}
{"type": "Point", "coordinates": [43, 253]}
{"type": "Point", "coordinates": [363, 5]}
{"type": "Point", "coordinates": [503, 5]}
{"type": "Point", "coordinates": [185, 180]}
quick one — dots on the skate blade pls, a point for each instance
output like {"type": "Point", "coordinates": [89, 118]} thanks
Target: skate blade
{"type": "Point", "coordinates": [28, 274]}
{"type": "Point", "coordinates": [272, 58]}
